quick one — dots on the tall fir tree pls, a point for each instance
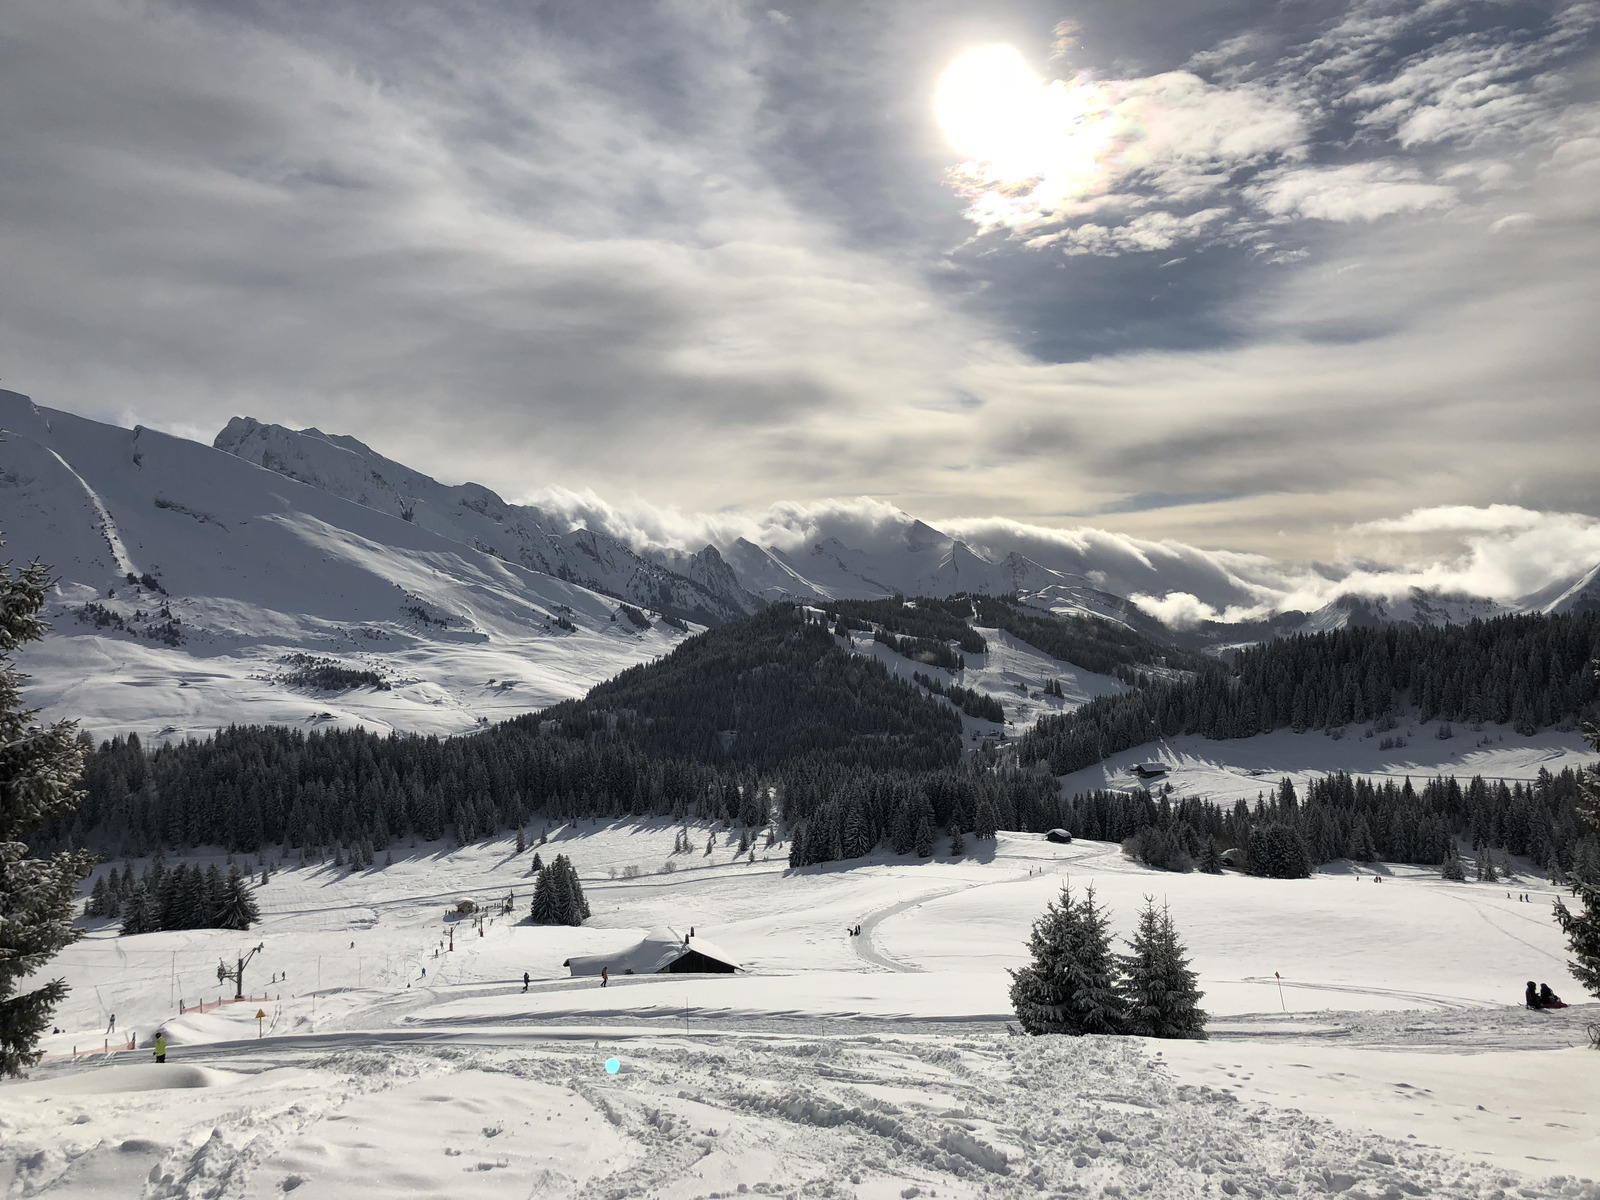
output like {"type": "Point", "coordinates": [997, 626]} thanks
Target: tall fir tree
{"type": "Point", "coordinates": [140, 913]}
{"type": "Point", "coordinates": [577, 908]}
{"type": "Point", "coordinates": [543, 909]}
{"type": "Point", "coordinates": [1583, 927]}
{"type": "Point", "coordinates": [39, 770]}
{"type": "Point", "coordinates": [1070, 986]}
{"type": "Point", "coordinates": [1159, 989]}
{"type": "Point", "coordinates": [1452, 868]}
{"type": "Point", "coordinates": [236, 906]}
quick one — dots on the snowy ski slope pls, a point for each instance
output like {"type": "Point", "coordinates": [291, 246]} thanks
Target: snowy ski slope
{"type": "Point", "coordinates": [1393, 1062]}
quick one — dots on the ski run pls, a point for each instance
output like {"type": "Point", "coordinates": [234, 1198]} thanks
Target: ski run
{"type": "Point", "coordinates": [1366, 1038]}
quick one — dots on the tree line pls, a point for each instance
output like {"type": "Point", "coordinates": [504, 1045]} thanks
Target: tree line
{"type": "Point", "coordinates": [1531, 672]}
{"type": "Point", "coordinates": [186, 896]}
{"type": "Point", "coordinates": [1351, 817]}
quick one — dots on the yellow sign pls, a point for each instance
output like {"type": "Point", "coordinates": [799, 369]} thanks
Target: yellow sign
{"type": "Point", "coordinates": [260, 1014]}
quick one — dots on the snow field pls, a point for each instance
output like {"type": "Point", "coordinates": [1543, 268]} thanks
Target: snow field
{"type": "Point", "coordinates": [850, 1066]}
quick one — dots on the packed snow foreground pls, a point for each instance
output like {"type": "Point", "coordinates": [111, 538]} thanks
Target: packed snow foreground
{"type": "Point", "coordinates": [1366, 1039]}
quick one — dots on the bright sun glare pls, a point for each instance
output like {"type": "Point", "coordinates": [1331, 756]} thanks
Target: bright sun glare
{"type": "Point", "coordinates": [996, 111]}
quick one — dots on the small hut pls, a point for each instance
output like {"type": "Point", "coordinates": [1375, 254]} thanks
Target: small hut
{"type": "Point", "coordinates": [662, 952]}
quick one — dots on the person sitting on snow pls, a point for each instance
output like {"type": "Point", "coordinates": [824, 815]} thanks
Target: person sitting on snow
{"type": "Point", "coordinates": [1549, 999]}
{"type": "Point", "coordinates": [1532, 996]}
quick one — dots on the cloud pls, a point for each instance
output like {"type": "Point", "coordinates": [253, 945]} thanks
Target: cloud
{"type": "Point", "coordinates": [1357, 192]}
{"type": "Point", "coordinates": [1243, 128]}
{"type": "Point", "coordinates": [697, 261]}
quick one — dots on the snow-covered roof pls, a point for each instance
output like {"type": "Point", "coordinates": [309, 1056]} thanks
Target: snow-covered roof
{"type": "Point", "coordinates": [657, 952]}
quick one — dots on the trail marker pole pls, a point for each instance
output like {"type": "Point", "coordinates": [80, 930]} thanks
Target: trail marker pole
{"type": "Point", "coordinates": [261, 1015]}
{"type": "Point", "coordinates": [1281, 1004]}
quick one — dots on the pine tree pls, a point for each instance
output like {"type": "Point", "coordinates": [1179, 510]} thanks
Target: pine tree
{"type": "Point", "coordinates": [1485, 866]}
{"type": "Point", "coordinates": [1362, 848]}
{"type": "Point", "coordinates": [543, 910]}
{"type": "Point", "coordinates": [536, 865]}
{"type": "Point", "coordinates": [99, 899]}
{"type": "Point", "coordinates": [1211, 861]}
{"type": "Point", "coordinates": [576, 909]}
{"type": "Point", "coordinates": [1583, 927]}
{"type": "Point", "coordinates": [797, 847]}
{"type": "Point", "coordinates": [39, 771]}
{"type": "Point", "coordinates": [236, 905]}
{"type": "Point", "coordinates": [1452, 868]}
{"type": "Point", "coordinates": [522, 841]}
{"type": "Point", "coordinates": [1159, 989]}
{"type": "Point", "coordinates": [1070, 987]}
{"type": "Point", "coordinates": [924, 843]}
{"type": "Point", "coordinates": [958, 844]}
{"type": "Point", "coordinates": [139, 912]}
{"type": "Point", "coordinates": [985, 823]}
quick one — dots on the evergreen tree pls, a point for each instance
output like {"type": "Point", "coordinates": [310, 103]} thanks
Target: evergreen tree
{"type": "Point", "coordinates": [1485, 866]}
{"type": "Point", "coordinates": [1362, 848]}
{"type": "Point", "coordinates": [39, 771]}
{"type": "Point", "coordinates": [1452, 868]}
{"type": "Point", "coordinates": [924, 843]}
{"type": "Point", "coordinates": [1211, 861]}
{"type": "Point", "coordinates": [536, 865]}
{"type": "Point", "coordinates": [1583, 927]}
{"type": "Point", "coordinates": [797, 847]}
{"type": "Point", "coordinates": [958, 844]}
{"type": "Point", "coordinates": [522, 841]}
{"type": "Point", "coordinates": [543, 910]}
{"type": "Point", "coordinates": [140, 913]}
{"type": "Point", "coordinates": [1159, 990]}
{"type": "Point", "coordinates": [1278, 851]}
{"type": "Point", "coordinates": [236, 905]}
{"type": "Point", "coordinates": [99, 899]}
{"type": "Point", "coordinates": [576, 910]}
{"type": "Point", "coordinates": [1070, 986]}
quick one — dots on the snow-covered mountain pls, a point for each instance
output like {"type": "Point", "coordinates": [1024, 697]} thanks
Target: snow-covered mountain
{"type": "Point", "coordinates": [704, 590]}
{"type": "Point", "coordinates": [191, 578]}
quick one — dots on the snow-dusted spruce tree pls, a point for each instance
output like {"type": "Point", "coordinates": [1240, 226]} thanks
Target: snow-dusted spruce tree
{"type": "Point", "coordinates": [1452, 868]}
{"type": "Point", "coordinates": [1211, 860]}
{"type": "Point", "coordinates": [1485, 866]}
{"type": "Point", "coordinates": [1583, 927]}
{"type": "Point", "coordinates": [236, 908]}
{"type": "Point", "coordinates": [1159, 990]}
{"type": "Point", "coordinates": [1070, 986]}
{"type": "Point", "coordinates": [39, 770]}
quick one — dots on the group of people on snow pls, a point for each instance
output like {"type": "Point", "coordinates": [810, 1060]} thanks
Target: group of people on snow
{"type": "Point", "coordinates": [1543, 997]}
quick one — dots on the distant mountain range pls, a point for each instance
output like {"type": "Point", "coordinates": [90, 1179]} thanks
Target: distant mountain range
{"type": "Point", "coordinates": [276, 542]}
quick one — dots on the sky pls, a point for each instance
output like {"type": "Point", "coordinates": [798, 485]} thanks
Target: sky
{"type": "Point", "coordinates": [1311, 280]}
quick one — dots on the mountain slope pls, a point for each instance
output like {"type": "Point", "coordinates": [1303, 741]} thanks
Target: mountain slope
{"type": "Point", "coordinates": [235, 568]}
{"type": "Point", "coordinates": [475, 516]}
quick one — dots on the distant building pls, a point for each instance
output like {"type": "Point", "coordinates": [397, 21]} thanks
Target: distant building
{"type": "Point", "coordinates": [662, 952]}
{"type": "Point", "coordinates": [1152, 770]}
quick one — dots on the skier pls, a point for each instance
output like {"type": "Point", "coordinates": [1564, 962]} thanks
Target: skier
{"type": "Point", "coordinates": [112, 1028]}
{"type": "Point", "coordinates": [1549, 999]}
{"type": "Point", "coordinates": [161, 1047]}
{"type": "Point", "coordinates": [524, 981]}
{"type": "Point", "coordinates": [1532, 996]}
{"type": "Point", "coordinates": [605, 977]}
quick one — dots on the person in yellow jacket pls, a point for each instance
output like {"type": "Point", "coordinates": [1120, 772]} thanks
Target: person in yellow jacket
{"type": "Point", "coordinates": [161, 1047]}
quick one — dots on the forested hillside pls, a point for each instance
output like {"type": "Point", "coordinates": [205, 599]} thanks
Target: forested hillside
{"type": "Point", "coordinates": [770, 720]}
{"type": "Point", "coordinates": [1531, 672]}
{"type": "Point", "coordinates": [768, 691]}
{"type": "Point", "coordinates": [1343, 817]}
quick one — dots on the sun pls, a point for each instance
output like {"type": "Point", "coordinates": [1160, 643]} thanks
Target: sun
{"type": "Point", "coordinates": [996, 111]}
